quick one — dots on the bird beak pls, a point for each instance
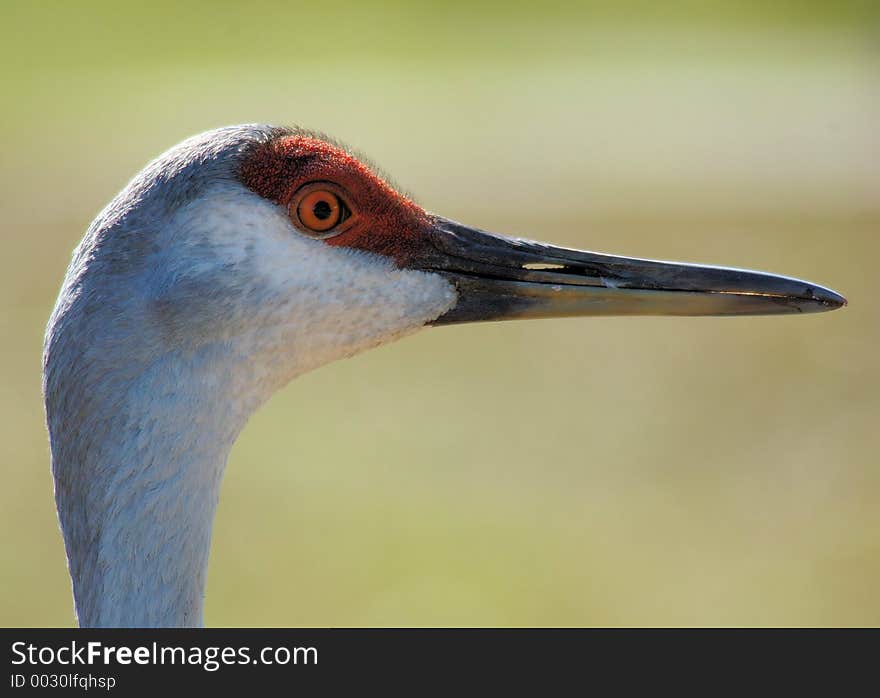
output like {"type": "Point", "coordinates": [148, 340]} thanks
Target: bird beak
{"type": "Point", "coordinates": [501, 278]}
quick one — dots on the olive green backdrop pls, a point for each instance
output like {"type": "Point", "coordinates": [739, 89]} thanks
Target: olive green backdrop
{"type": "Point", "coordinates": [574, 472]}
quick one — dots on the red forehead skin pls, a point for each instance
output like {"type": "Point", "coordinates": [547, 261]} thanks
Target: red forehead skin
{"type": "Point", "coordinates": [386, 222]}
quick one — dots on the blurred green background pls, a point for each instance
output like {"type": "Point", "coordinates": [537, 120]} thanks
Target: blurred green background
{"type": "Point", "coordinates": [574, 472]}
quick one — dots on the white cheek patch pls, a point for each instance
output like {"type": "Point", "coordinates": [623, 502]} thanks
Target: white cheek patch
{"type": "Point", "coordinates": [302, 302]}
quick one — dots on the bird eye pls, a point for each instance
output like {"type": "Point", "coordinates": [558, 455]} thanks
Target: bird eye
{"type": "Point", "coordinates": [319, 211]}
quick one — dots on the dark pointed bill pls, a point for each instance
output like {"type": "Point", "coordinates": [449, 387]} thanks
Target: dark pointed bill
{"type": "Point", "coordinates": [500, 278]}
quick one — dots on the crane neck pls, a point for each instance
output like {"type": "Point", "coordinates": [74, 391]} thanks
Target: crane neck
{"type": "Point", "coordinates": [138, 489]}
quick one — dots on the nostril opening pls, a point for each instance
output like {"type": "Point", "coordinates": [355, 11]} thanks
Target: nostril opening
{"type": "Point", "coordinates": [539, 266]}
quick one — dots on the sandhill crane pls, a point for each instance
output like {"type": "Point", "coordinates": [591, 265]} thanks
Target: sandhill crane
{"type": "Point", "coordinates": [234, 262]}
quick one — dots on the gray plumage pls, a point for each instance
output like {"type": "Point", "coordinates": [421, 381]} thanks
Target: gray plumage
{"type": "Point", "coordinates": [188, 302]}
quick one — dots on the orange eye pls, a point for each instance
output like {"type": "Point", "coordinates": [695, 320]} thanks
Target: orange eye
{"type": "Point", "coordinates": [320, 210]}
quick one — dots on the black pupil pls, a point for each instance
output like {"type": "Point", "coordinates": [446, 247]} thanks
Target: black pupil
{"type": "Point", "coordinates": [322, 210]}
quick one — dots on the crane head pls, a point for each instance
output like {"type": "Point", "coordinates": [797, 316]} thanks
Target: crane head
{"type": "Point", "coordinates": [274, 242]}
